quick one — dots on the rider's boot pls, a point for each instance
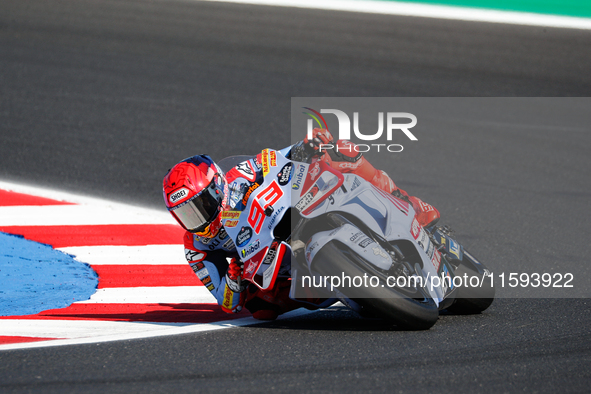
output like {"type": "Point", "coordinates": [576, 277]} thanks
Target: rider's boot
{"type": "Point", "coordinates": [268, 304]}
{"type": "Point", "coordinates": [427, 215]}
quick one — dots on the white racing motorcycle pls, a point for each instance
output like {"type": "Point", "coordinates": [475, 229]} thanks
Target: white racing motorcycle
{"type": "Point", "coordinates": [337, 237]}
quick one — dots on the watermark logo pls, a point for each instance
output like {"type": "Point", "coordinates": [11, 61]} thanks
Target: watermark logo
{"type": "Point", "coordinates": [392, 123]}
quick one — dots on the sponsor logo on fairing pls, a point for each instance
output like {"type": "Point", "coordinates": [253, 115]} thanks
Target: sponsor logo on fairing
{"type": "Point", "coordinates": [300, 171]}
{"type": "Point", "coordinates": [270, 256]}
{"type": "Point", "coordinates": [366, 242]}
{"type": "Point", "coordinates": [265, 161]}
{"type": "Point", "coordinates": [415, 228]}
{"type": "Point", "coordinates": [231, 214]}
{"type": "Point", "coordinates": [274, 217]}
{"type": "Point", "coordinates": [244, 236]}
{"type": "Point", "coordinates": [273, 158]}
{"type": "Point", "coordinates": [250, 266]}
{"type": "Point", "coordinates": [305, 201]}
{"type": "Point", "coordinates": [222, 234]}
{"type": "Point", "coordinates": [231, 223]}
{"type": "Point", "coordinates": [246, 170]}
{"type": "Point", "coordinates": [249, 192]}
{"type": "Point", "coordinates": [229, 244]}
{"type": "Point", "coordinates": [284, 176]}
{"type": "Point", "coordinates": [436, 260]}
{"type": "Point", "coordinates": [250, 249]}
{"type": "Point", "coordinates": [454, 248]}
{"type": "Point", "coordinates": [257, 163]}
{"type": "Point", "coordinates": [356, 236]}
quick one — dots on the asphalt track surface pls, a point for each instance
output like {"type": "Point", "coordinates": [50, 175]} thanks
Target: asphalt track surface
{"type": "Point", "coordinates": [101, 98]}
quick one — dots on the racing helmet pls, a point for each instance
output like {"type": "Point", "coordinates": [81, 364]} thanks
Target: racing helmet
{"type": "Point", "coordinates": [195, 193]}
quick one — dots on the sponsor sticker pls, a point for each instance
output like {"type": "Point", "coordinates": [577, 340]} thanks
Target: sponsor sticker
{"type": "Point", "coordinates": [356, 236]}
{"type": "Point", "coordinates": [250, 266]}
{"type": "Point", "coordinates": [436, 259]}
{"type": "Point", "coordinates": [245, 169]}
{"type": "Point", "coordinates": [454, 248]}
{"type": "Point", "coordinates": [257, 162]}
{"type": "Point", "coordinates": [305, 201]}
{"type": "Point", "coordinates": [270, 256]}
{"type": "Point", "coordinates": [250, 249]}
{"type": "Point", "coordinates": [222, 234]}
{"type": "Point", "coordinates": [249, 192]}
{"type": "Point", "coordinates": [231, 223]}
{"type": "Point", "coordinates": [228, 298]}
{"type": "Point", "coordinates": [366, 242]}
{"type": "Point", "coordinates": [314, 171]}
{"type": "Point", "coordinates": [273, 158]}
{"type": "Point", "coordinates": [229, 244]}
{"type": "Point", "coordinates": [231, 214]}
{"type": "Point", "coordinates": [244, 236]}
{"type": "Point", "coordinates": [265, 161]}
{"type": "Point", "coordinates": [415, 228]}
{"type": "Point", "coordinates": [299, 176]}
{"type": "Point", "coordinates": [178, 195]}
{"type": "Point", "coordinates": [274, 217]}
{"type": "Point", "coordinates": [202, 273]}
{"type": "Point", "coordinates": [284, 176]}
{"type": "Point", "coordinates": [193, 255]}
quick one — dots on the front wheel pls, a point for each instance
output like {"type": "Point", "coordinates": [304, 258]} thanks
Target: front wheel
{"type": "Point", "coordinates": [411, 309]}
{"type": "Point", "coordinates": [472, 300]}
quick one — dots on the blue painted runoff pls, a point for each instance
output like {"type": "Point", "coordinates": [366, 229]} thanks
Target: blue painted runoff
{"type": "Point", "coordinates": [34, 277]}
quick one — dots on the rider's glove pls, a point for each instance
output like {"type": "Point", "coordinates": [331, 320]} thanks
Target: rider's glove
{"type": "Point", "coordinates": [234, 277]}
{"type": "Point", "coordinates": [339, 151]}
{"type": "Point", "coordinates": [319, 137]}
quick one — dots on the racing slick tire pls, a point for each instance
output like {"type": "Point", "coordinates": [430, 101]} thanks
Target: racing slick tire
{"type": "Point", "coordinates": [408, 308]}
{"type": "Point", "coordinates": [472, 300]}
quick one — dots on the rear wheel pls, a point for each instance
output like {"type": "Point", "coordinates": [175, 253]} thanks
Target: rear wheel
{"type": "Point", "coordinates": [472, 299]}
{"type": "Point", "coordinates": [409, 307]}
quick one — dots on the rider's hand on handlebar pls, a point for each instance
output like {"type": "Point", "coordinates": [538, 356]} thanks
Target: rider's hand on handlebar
{"type": "Point", "coordinates": [234, 277]}
{"type": "Point", "coordinates": [319, 137]}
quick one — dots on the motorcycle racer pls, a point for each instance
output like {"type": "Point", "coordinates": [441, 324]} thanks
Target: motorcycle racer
{"type": "Point", "coordinates": [197, 193]}
{"type": "Point", "coordinates": [344, 156]}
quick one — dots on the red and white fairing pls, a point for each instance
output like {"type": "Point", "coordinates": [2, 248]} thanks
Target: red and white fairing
{"type": "Point", "coordinates": [326, 190]}
{"type": "Point", "coordinates": [252, 227]}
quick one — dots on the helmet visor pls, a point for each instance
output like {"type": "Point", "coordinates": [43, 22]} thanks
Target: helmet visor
{"type": "Point", "coordinates": [197, 213]}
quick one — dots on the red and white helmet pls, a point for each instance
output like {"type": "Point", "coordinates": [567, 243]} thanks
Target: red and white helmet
{"type": "Point", "coordinates": [195, 193]}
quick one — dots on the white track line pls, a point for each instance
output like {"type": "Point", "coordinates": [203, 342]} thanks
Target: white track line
{"type": "Point", "coordinates": [152, 295]}
{"type": "Point", "coordinates": [430, 11]}
{"type": "Point", "coordinates": [75, 215]}
{"type": "Point", "coordinates": [149, 215]}
{"type": "Point", "coordinates": [156, 330]}
{"type": "Point", "coordinates": [45, 328]}
{"type": "Point", "coordinates": [128, 255]}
